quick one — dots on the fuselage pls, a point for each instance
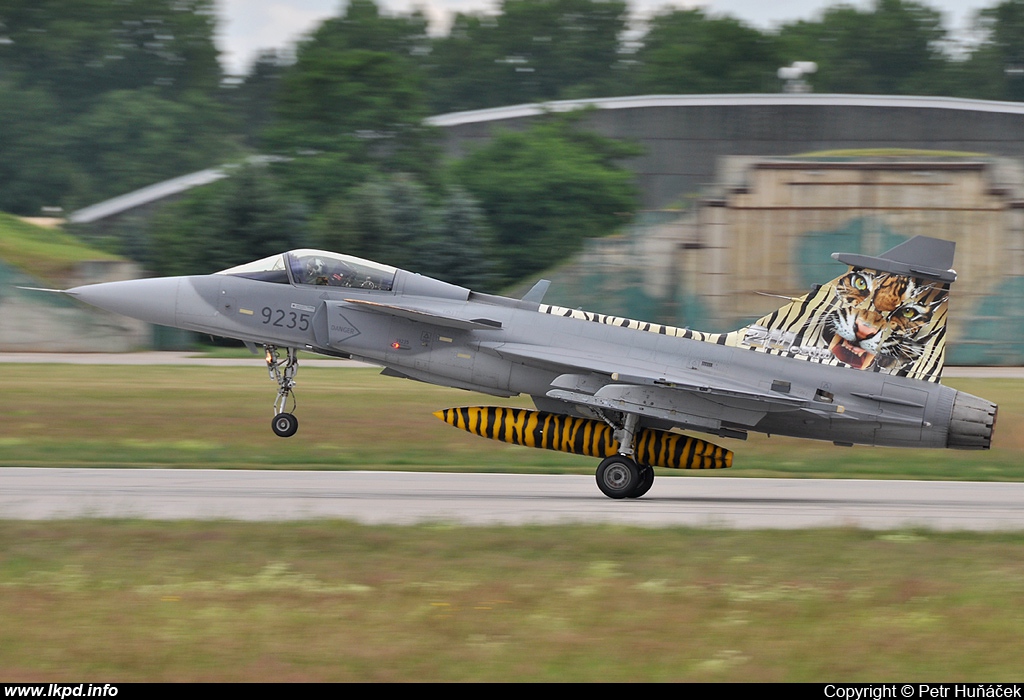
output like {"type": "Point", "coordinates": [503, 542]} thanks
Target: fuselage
{"type": "Point", "coordinates": [428, 330]}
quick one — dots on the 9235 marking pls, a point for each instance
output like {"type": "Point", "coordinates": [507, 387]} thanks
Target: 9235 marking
{"type": "Point", "coordinates": [284, 319]}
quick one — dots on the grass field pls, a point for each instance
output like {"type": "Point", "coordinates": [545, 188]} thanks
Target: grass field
{"type": "Point", "coordinates": [329, 601]}
{"type": "Point", "coordinates": [46, 253]}
{"type": "Point", "coordinates": [122, 601]}
{"type": "Point", "coordinates": [185, 416]}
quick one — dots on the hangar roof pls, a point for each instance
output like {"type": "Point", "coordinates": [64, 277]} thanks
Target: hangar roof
{"type": "Point", "coordinates": [779, 99]}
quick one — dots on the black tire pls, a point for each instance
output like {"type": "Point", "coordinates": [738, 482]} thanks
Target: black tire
{"type": "Point", "coordinates": [646, 482]}
{"type": "Point", "coordinates": [285, 424]}
{"type": "Point", "coordinates": [618, 476]}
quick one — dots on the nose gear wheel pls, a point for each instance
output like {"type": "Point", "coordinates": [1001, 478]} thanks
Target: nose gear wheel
{"type": "Point", "coordinates": [283, 370]}
{"type": "Point", "coordinates": [285, 424]}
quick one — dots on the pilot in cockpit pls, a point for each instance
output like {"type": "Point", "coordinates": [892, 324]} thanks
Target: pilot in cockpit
{"type": "Point", "coordinates": [316, 272]}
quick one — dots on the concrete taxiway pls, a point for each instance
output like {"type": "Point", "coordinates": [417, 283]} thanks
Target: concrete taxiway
{"type": "Point", "coordinates": [505, 499]}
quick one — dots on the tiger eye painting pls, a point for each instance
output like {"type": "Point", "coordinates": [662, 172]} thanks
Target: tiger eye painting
{"type": "Point", "coordinates": [883, 320]}
{"type": "Point", "coordinates": [868, 319]}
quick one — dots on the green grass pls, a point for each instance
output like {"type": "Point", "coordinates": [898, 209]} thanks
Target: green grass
{"type": "Point", "coordinates": [183, 416]}
{"type": "Point", "coordinates": [331, 601]}
{"type": "Point", "coordinates": [234, 350]}
{"type": "Point", "coordinates": [45, 253]}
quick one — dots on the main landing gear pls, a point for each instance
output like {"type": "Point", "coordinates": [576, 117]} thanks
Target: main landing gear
{"type": "Point", "coordinates": [283, 370]}
{"type": "Point", "coordinates": [619, 476]}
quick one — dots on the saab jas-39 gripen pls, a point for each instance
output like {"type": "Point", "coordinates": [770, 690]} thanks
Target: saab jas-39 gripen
{"type": "Point", "coordinates": [855, 361]}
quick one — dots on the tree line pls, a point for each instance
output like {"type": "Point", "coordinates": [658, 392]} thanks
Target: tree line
{"type": "Point", "coordinates": [100, 98]}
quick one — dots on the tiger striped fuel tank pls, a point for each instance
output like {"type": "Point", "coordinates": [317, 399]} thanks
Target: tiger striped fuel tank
{"type": "Point", "coordinates": [583, 436]}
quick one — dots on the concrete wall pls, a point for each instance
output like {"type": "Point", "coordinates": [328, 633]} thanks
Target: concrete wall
{"type": "Point", "coordinates": [41, 322]}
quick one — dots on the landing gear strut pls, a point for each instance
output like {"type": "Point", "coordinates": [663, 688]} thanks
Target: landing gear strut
{"type": "Point", "coordinates": [283, 371]}
{"type": "Point", "coordinates": [619, 476]}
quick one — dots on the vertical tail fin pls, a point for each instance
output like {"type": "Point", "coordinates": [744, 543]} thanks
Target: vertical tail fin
{"type": "Point", "coordinates": [886, 314]}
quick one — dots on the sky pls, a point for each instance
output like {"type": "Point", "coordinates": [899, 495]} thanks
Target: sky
{"type": "Point", "coordinates": [250, 25]}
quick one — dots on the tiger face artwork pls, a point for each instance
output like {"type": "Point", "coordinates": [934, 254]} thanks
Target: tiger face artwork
{"type": "Point", "coordinates": [884, 320]}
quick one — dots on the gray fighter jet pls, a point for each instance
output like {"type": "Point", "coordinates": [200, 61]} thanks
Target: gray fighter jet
{"type": "Point", "coordinates": [856, 360]}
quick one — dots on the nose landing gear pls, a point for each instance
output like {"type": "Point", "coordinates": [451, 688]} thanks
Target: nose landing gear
{"type": "Point", "coordinates": [285, 424]}
{"type": "Point", "coordinates": [283, 371]}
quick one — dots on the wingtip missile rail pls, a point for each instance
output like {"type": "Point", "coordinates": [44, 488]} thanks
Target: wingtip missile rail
{"type": "Point", "coordinates": [584, 436]}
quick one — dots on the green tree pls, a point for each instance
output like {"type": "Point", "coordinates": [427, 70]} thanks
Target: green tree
{"type": "Point", "coordinates": [354, 222]}
{"type": "Point", "coordinates": [353, 102]}
{"type": "Point", "coordinates": [685, 51]}
{"type": "Point", "coordinates": [546, 189]}
{"type": "Point", "coordinates": [332, 97]}
{"type": "Point", "coordinates": [80, 50]}
{"type": "Point", "coordinates": [461, 67]}
{"type": "Point", "coordinates": [996, 67]}
{"type": "Point", "coordinates": [241, 218]}
{"type": "Point", "coordinates": [893, 48]}
{"type": "Point", "coordinates": [253, 98]}
{"type": "Point", "coordinates": [391, 219]}
{"type": "Point", "coordinates": [532, 50]}
{"type": "Point", "coordinates": [134, 138]}
{"type": "Point", "coordinates": [35, 170]}
{"type": "Point", "coordinates": [462, 250]}
{"type": "Point", "coordinates": [364, 27]}
{"type": "Point", "coordinates": [386, 218]}
{"type": "Point", "coordinates": [99, 97]}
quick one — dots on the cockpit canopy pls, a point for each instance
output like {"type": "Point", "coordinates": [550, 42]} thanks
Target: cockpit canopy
{"type": "Point", "coordinates": [318, 267]}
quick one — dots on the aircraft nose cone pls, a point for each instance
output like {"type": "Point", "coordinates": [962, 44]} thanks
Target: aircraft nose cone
{"type": "Point", "coordinates": [152, 300]}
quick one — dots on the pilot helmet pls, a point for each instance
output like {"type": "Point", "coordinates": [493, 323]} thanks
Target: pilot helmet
{"type": "Point", "coordinates": [315, 268]}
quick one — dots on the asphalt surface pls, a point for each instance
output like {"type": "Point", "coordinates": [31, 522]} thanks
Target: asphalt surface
{"type": "Point", "coordinates": [505, 499]}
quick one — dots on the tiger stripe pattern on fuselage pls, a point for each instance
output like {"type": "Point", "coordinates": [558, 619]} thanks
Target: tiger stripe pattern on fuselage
{"type": "Point", "coordinates": [584, 436]}
{"type": "Point", "coordinates": [633, 324]}
{"type": "Point", "coordinates": [806, 328]}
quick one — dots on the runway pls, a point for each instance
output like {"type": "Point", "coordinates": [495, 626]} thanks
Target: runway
{"type": "Point", "coordinates": [505, 499]}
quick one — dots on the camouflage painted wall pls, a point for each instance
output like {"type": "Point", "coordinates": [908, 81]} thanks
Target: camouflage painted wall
{"type": "Point", "coordinates": [42, 322]}
{"type": "Point", "coordinates": [769, 227]}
